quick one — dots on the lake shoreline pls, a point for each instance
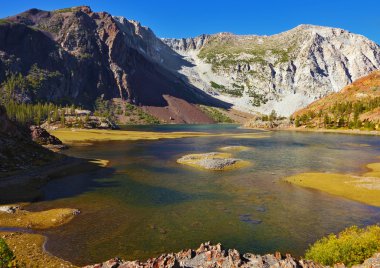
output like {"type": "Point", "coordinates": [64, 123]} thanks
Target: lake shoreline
{"type": "Point", "coordinates": [78, 162]}
{"type": "Point", "coordinates": [27, 246]}
{"type": "Point", "coordinates": [323, 130]}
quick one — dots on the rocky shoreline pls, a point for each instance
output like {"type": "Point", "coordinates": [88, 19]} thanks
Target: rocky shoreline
{"type": "Point", "coordinates": [210, 256]}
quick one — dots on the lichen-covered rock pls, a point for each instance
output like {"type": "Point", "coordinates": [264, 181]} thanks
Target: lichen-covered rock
{"type": "Point", "coordinates": [373, 262]}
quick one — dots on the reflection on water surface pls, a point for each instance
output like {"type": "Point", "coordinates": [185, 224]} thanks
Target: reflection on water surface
{"type": "Point", "coordinates": [149, 204]}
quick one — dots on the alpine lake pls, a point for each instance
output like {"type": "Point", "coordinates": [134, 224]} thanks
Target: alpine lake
{"type": "Point", "coordinates": [145, 203]}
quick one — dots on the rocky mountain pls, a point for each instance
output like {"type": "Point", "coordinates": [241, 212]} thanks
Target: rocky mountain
{"type": "Point", "coordinates": [356, 106]}
{"type": "Point", "coordinates": [283, 72]}
{"type": "Point", "coordinates": [76, 55]}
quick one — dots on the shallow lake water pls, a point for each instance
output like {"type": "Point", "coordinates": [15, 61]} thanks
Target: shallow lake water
{"type": "Point", "coordinates": [145, 203]}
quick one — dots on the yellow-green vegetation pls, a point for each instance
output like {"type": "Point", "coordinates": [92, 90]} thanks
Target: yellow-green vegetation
{"type": "Point", "coordinates": [236, 90]}
{"type": "Point", "coordinates": [123, 112]}
{"type": "Point", "coordinates": [216, 114]}
{"type": "Point", "coordinates": [352, 246]}
{"type": "Point", "coordinates": [223, 51]}
{"type": "Point", "coordinates": [364, 188]}
{"type": "Point", "coordinates": [213, 161]}
{"type": "Point", "coordinates": [37, 220]}
{"type": "Point", "coordinates": [79, 135]}
{"type": "Point", "coordinates": [85, 136]}
{"type": "Point", "coordinates": [32, 113]}
{"type": "Point", "coordinates": [137, 115]}
{"type": "Point", "coordinates": [28, 251]}
{"type": "Point", "coordinates": [234, 148]}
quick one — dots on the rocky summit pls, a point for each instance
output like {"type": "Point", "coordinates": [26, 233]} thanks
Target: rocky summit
{"type": "Point", "coordinates": [283, 72]}
{"type": "Point", "coordinates": [76, 55]}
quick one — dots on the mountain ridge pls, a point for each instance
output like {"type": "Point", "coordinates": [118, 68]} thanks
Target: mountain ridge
{"type": "Point", "coordinates": [80, 55]}
{"type": "Point", "coordinates": [103, 55]}
{"type": "Point", "coordinates": [309, 61]}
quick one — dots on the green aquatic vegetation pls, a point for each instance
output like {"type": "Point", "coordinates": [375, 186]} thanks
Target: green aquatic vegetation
{"type": "Point", "coordinates": [351, 246]}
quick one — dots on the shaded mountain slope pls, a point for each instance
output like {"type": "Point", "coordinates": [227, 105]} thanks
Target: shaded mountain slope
{"type": "Point", "coordinates": [17, 150]}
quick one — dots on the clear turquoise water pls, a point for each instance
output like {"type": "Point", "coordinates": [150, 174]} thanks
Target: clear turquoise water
{"type": "Point", "coordinates": [146, 204]}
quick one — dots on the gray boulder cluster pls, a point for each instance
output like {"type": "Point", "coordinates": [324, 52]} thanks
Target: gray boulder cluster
{"type": "Point", "coordinates": [210, 256]}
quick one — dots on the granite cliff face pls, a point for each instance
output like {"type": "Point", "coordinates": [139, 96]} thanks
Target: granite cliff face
{"type": "Point", "coordinates": [76, 55]}
{"type": "Point", "coordinates": [283, 72]}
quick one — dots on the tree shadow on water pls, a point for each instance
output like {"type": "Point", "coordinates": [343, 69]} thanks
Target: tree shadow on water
{"type": "Point", "coordinates": [52, 182]}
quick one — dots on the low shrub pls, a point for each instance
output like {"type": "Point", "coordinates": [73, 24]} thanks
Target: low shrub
{"type": "Point", "coordinates": [6, 255]}
{"type": "Point", "coordinates": [351, 246]}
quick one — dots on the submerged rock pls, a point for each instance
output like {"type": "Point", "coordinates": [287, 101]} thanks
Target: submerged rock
{"type": "Point", "coordinates": [248, 219]}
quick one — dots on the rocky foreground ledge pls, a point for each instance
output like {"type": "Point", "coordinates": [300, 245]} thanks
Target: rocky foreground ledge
{"type": "Point", "coordinates": [212, 256]}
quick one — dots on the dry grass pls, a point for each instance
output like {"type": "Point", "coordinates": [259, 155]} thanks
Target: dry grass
{"type": "Point", "coordinates": [364, 188]}
{"type": "Point", "coordinates": [81, 135]}
{"type": "Point", "coordinates": [29, 252]}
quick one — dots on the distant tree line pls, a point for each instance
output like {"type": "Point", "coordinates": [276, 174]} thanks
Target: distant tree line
{"type": "Point", "coordinates": [340, 115]}
{"type": "Point", "coordinates": [35, 114]}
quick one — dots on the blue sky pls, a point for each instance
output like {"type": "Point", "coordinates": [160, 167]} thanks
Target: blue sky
{"type": "Point", "coordinates": [176, 18]}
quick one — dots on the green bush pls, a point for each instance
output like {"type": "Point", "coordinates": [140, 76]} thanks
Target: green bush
{"type": "Point", "coordinates": [216, 115]}
{"type": "Point", "coordinates": [6, 255]}
{"type": "Point", "coordinates": [351, 246]}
